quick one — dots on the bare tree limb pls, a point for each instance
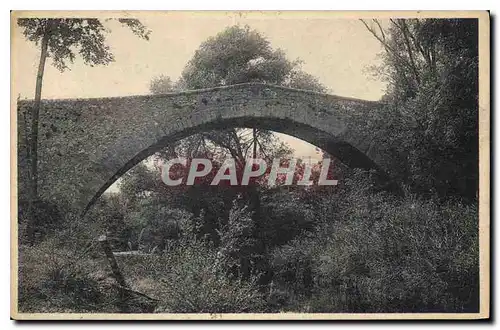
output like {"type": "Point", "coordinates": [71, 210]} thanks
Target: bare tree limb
{"type": "Point", "coordinates": [404, 30]}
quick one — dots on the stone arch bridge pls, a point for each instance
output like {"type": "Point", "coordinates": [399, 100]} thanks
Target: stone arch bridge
{"type": "Point", "coordinates": [87, 144]}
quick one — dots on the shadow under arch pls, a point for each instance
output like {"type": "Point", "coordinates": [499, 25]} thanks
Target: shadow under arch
{"type": "Point", "coordinates": [333, 145]}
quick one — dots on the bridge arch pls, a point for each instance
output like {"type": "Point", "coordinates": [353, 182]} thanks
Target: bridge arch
{"type": "Point", "coordinates": [87, 144]}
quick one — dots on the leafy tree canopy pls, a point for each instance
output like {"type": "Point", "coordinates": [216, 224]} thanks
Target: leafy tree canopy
{"type": "Point", "coordinates": [239, 55]}
{"type": "Point", "coordinates": [68, 37]}
{"type": "Point", "coordinates": [235, 55]}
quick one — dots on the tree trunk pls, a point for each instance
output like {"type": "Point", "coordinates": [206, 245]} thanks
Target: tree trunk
{"type": "Point", "coordinates": [238, 145]}
{"type": "Point", "coordinates": [254, 143]}
{"type": "Point", "coordinates": [33, 148]}
{"type": "Point", "coordinates": [36, 115]}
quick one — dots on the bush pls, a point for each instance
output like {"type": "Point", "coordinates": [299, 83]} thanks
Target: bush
{"type": "Point", "coordinates": [154, 226]}
{"type": "Point", "coordinates": [285, 216]}
{"type": "Point", "coordinates": [240, 251]}
{"type": "Point", "coordinates": [382, 254]}
{"type": "Point", "coordinates": [54, 278]}
{"type": "Point", "coordinates": [292, 266]}
{"type": "Point", "coordinates": [192, 282]}
{"type": "Point", "coordinates": [106, 216]}
{"type": "Point", "coordinates": [48, 219]}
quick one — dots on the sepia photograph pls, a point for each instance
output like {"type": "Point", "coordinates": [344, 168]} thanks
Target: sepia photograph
{"type": "Point", "coordinates": [197, 165]}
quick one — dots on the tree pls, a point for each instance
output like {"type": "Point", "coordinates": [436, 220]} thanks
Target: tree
{"type": "Point", "coordinates": [62, 39]}
{"type": "Point", "coordinates": [161, 84]}
{"type": "Point", "coordinates": [431, 123]}
{"type": "Point", "coordinates": [237, 55]}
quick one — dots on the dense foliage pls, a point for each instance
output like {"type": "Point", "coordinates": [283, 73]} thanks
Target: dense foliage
{"type": "Point", "coordinates": [430, 126]}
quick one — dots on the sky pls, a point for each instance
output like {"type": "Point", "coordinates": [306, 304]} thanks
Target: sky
{"type": "Point", "coordinates": [337, 51]}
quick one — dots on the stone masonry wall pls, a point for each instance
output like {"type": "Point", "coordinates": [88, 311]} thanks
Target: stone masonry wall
{"type": "Point", "coordinates": [85, 144]}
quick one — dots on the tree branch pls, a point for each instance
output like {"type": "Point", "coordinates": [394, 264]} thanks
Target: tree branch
{"type": "Point", "coordinates": [404, 31]}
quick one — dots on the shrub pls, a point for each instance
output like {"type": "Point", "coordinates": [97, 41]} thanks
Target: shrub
{"type": "Point", "coordinates": [292, 265]}
{"type": "Point", "coordinates": [285, 215]}
{"type": "Point", "coordinates": [154, 226]}
{"type": "Point", "coordinates": [47, 217]}
{"type": "Point", "coordinates": [382, 254]}
{"type": "Point", "coordinates": [194, 283]}
{"type": "Point", "coordinates": [239, 249]}
{"type": "Point", "coordinates": [54, 278]}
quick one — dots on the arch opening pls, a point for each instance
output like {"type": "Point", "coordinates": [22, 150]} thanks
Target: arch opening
{"type": "Point", "coordinates": [331, 144]}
